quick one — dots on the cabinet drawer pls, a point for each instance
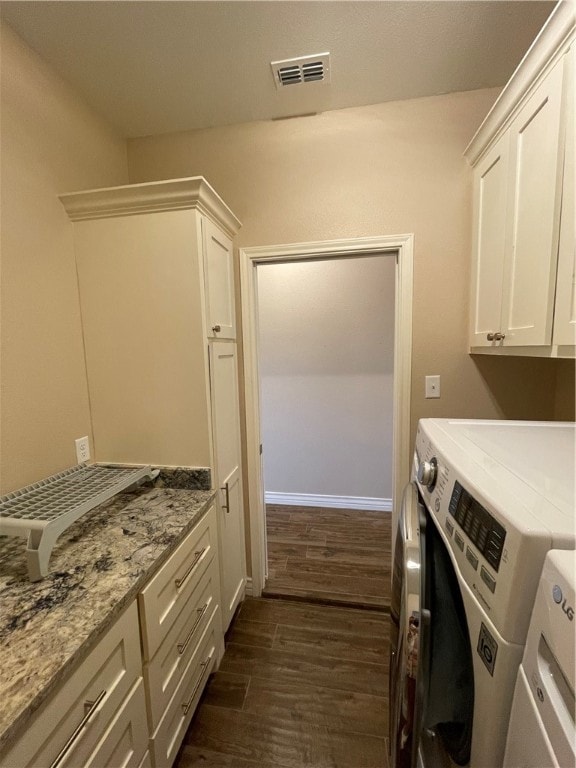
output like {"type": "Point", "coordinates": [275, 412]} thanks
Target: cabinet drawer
{"type": "Point", "coordinates": [164, 597]}
{"type": "Point", "coordinates": [66, 729]}
{"type": "Point", "coordinates": [164, 672]}
{"type": "Point", "coordinates": [125, 741]}
{"type": "Point", "coordinates": [167, 738]}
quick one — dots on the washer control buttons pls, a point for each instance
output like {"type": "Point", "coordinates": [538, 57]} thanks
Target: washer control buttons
{"type": "Point", "coordinates": [483, 530]}
{"type": "Point", "coordinates": [459, 541]}
{"type": "Point", "coordinates": [487, 579]}
{"type": "Point", "coordinates": [471, 557]}
{"type": "Point", "coordinates": [449, 526]}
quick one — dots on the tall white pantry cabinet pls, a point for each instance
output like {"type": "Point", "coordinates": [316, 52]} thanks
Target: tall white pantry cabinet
{"type": "Point", "coordinates": [156, 284]}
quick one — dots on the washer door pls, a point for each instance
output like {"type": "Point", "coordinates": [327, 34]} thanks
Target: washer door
{"type": "Point", "coordinates": [449, 694]}
{"type": "Point", "coordinates": [409, 629]}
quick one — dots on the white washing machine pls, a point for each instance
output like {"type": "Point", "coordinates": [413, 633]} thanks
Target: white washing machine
{"type": "Point", "coordinates": [487, 501]}
{"type": "Point", "coordinates": [542, 732]}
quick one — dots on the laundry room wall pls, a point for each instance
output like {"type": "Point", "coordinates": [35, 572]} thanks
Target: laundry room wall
{"type": "Point", "coordinates": [383, 169]}
{"type": "Point", "coordinates": [50, 143]}
{"type": "Point", "coordinates": [326, 373]}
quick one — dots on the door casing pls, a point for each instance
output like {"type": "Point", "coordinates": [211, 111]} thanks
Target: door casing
{"type": "Point", "coordinates": [402, 247]}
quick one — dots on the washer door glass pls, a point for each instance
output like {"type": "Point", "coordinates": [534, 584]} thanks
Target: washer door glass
{"type": "Point", "coordinates": [409, 620]}
{"type": "Point", "coordinates": [450, 695]}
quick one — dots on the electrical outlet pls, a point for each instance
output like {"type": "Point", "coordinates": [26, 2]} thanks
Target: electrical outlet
{"type": "Point", "coordinates": [432, 386]}
{"type": "Point", "coordinates": [82, 449]}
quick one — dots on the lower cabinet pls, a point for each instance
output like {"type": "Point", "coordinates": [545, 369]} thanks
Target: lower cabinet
{"type": "Point", "coordinates": [167, 738]}
{"type": "Point", "coordinates": [181, 625]}
{"type": "Point", "coordinates": [131, 700]}
{"type": "Point", "coordinates": [98, 717]}
{"type": "Point", "coordinates": [126, 735]}
{"type": "Point", "coordinates": [168, 593]}
{"type": "Point", "coordinates": [169, 665]}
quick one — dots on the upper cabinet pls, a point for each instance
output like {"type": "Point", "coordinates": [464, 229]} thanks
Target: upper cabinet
{"type": "Point", "coordinates": [522, 299]}
{"type": "Point", "coordinates": [490, 188]}
{"type": "Point", "coordinates": [219, 277]}
{"type": "Point", "coordinates": [565, 309]}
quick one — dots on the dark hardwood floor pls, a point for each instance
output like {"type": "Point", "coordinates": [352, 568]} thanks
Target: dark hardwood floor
{"type": "Point", "coordinates": [334, 556]}
{"type": "Point", "coordinates": [300, 686]}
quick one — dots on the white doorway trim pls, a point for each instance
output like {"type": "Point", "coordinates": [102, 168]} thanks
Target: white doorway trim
{"type": "Point", "coordinates": [402, 246]}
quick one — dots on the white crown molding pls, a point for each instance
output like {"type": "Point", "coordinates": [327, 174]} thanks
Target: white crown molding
{"type": "Point", "coordinates": [151, 197]}
{"type": "Point", "coordinates": [552, 42]}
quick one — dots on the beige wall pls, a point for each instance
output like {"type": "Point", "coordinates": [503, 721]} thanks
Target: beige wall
{"type": "Point", "coordinates": [50, 143]}
{"type": "Point", "coordinates": [327, 374]}
{"type": "Point", "coordinates": [390, 168]}
{"type": "Point", "coordinates": [386, 169]}
{"type": "Point", "coordinates": [140, 293]}
{"type": "Point", "coordinates": [565, 390]}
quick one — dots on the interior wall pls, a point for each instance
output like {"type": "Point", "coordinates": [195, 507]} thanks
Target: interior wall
{"type": "Point", "coordinates": [144, 338]}
{"type": "Point", "coordinates": [50, 143]}
{"type": "Point", "coordinates": [386, 169]}
{"type": "Point", "coordinates": [565, 390]}
{"type": "Point", "coordinates": [326, 376]}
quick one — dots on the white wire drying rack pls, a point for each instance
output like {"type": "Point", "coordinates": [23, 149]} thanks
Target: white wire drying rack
{"type": "Point", "coordinates": [44, 510]}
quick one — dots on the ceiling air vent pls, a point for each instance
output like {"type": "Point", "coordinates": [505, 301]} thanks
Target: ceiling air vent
{"type": "Point", "coordinates": [304, 69]}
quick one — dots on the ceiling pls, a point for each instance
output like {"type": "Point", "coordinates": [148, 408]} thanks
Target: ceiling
{"type": "Point", "coordinates": [157, 67]}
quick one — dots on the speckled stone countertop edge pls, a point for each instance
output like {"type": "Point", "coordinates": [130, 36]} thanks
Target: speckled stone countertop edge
{"type": "Point", "coordinates": [14, 730]}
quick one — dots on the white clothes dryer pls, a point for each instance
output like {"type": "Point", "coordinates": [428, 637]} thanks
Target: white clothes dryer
{"type": "Point", "coordinates": [542, 733]}
{"type": "Point", "coordinates": [487, 501]}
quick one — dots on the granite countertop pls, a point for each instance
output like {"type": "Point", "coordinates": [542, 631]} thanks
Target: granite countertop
{"type": "Point", "coordinates": [96, 569]}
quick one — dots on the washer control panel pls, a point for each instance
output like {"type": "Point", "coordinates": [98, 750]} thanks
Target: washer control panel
{"type": "Point", "coordinates": [482, 529]}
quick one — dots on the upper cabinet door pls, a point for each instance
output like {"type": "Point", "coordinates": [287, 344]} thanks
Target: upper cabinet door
{"type": "Point", "coordinates": [535, 193]}
{"type": "Point", "coordinates": [565, 312]}
{"type": "Point", "coordinates": [490, 186]}
{"type": "Point", "coordinates": [219, 277]}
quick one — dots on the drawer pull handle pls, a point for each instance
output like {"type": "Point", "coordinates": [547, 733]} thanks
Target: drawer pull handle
{"type": "Point", "coordinates": [490, 336]}
{"type": "Point", "coordinates": [226, 490]}
{"type": "Point", "coordinates": [200, 611]}
{"type": "Point", "coordinates": [193, 564]}
{"type": "Point", "coordinates": [90, 708]}
{"type": "Point", "coordinates": [204, 665]}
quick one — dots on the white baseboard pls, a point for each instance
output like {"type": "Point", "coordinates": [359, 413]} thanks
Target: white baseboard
{"type": "Point", "coordinates": [339, 502]}
{"type": "Point", "coordinates": [249, 589]}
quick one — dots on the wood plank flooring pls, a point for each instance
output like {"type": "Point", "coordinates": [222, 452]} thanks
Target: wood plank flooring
{"type": "Point", "coordinates": [301, 685]}
{"type": "Point", "coordinates": [334, 556]}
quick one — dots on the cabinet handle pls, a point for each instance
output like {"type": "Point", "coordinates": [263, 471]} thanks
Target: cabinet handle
{"type": "Point", "coordinates": [216, 328]}
{"type": "Point", "coordinates": [193, 564]}
{"type": "Point", "coordinates": [204, 665]}
{"type": "Point", "coordinates": [490, 336]}
{"type": "Point", "coordinates": [90, 708]}
{"type": "Point", "coordinates": [226, 490]}
{"type": "Point", "coordinates": [182, 646]}
{"type": "Point", "coordinates": [499, 336]}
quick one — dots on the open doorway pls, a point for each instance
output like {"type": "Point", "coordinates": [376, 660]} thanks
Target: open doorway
{"type": "Point", "coordinates": [326, 363]}
{"type": "Point", "coordinates": [400, 248]}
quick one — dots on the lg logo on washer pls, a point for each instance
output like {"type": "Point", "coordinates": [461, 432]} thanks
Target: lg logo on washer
{"type": "Point", "coordinates": [561, 600]}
